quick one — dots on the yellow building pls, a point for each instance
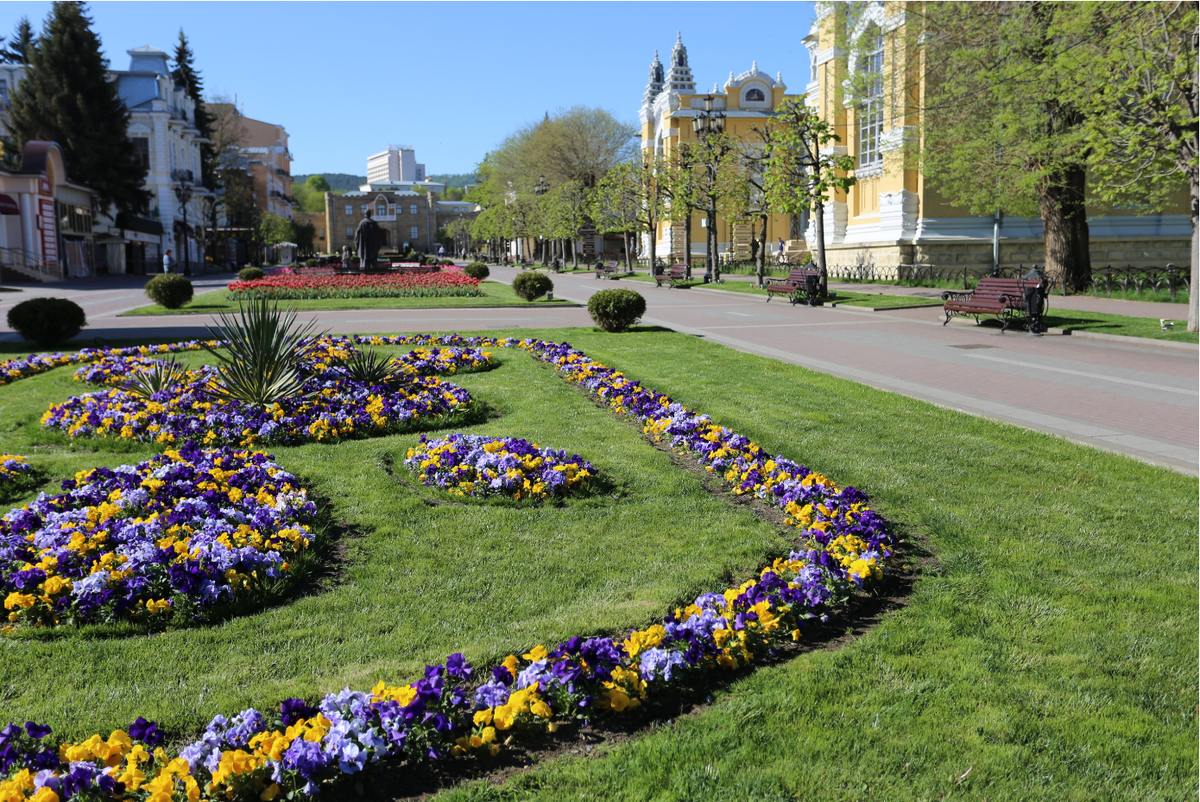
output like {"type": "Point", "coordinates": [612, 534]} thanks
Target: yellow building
{"type": "Point", "coordinates": [893, 215]}
{"type": "Point", "coordinates": [669, 105]}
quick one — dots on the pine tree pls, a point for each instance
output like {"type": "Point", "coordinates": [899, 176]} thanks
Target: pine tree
{"type": "Point", "coordinates": [67, 97]}
{"type": "Point", "coordinates": [20, 44]}
{"type": "Point", "coordinates": [185, 75]}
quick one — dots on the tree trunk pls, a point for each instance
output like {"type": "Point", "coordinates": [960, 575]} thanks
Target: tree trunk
{"type": "Point", "coordinates": [687, 243]}
{"type": "Point", "coordinates": [760, 259]}
{"type": "Point", "coordinates": [652, 237]}
{"type": "Point", "coordinates": [819, 224]}
{"type": "Point", "coordinates": [1064, 218]}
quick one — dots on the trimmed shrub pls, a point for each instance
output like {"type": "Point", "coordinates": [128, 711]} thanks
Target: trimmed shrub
{"type": "Point", "coordinates": [311, 262]}
{"type": "Point", "coordinates": [250, 273]}
{"type": "Point", "coordinates": [477, 270]}
{"type": "Point", "coordinates": [531, 286]}
{"type": "Point", "coordinates": [170, 290]}
{"type": "Point", "coordinates": [47, 321]}
{"type": "Point", "coordinates": [616, 310]}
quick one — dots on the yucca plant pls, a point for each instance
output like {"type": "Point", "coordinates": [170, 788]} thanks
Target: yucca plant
{"type": "Point", "coordinates": [162, 375]}
{"type": "Point", "coordinates": [369, 367]}
{"type": "Point", "coordinates": [264, 345]}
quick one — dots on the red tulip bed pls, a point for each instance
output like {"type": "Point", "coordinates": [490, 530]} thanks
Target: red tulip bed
{"type": "Point", "coordinates": [443, 284]}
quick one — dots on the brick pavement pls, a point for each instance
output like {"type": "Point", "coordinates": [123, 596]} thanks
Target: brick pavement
{"type": "Point", "coordinates": [1135, 398]}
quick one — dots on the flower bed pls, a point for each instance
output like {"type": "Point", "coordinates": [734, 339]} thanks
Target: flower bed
{"type": "Point", "coordinates": [13, 467]}
{"type": "Point", "coordinates": [12, 370]}
{"type": "Point", "coordinates": [336, 406]}
{"type": "Point", "coordinates": [480, 466]}
{"type": "Point", "coordinates": [388, 285]}
{"type": "Point", "coordinates": [843, 544]}
{"type": "Point", "coordinates": [178, 534]}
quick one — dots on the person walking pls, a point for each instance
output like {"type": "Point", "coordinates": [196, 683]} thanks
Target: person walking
{"type": "Point", "coordinates": [779, 256]}
{"type": "Point", "coordinates": [168, 260]}
{"type": "Point", "coordinates": [345, 255]}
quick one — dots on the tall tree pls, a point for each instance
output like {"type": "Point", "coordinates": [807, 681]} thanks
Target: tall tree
{"type": "Point", "coordinates": [1003, 126]}
{"type": "Point", "coordinates": [20, 44]}
{"type": "Point", "coordinates": [185, 75]}
{"type": "Point", "coordinates": [234, 207]}
{"type": "Point", "coordinates": [66, 97]}
{"type": "Point", "coordinates": [803, 171]}
{"type": "Point", "coordinates": [1138, 86]}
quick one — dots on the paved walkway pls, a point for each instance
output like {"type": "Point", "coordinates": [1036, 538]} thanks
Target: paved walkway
{"type": "Point", "coordinates": [1132, 397]}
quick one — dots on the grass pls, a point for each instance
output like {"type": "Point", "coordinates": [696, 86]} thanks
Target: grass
{"type": "Point", "coordinates": [1048, 654]}
{"type": "Point", "coordinates": [1102, 323]}
{"type": "Point", "coordinates": [211, 303]}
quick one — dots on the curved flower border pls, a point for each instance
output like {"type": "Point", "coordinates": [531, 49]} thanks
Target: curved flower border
{"type": "Point", "coordinates": [479, 466]}
{"type": "Point", "coordinates": [845, 544]}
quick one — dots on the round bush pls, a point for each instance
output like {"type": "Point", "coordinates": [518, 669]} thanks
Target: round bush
{"type": "Point", "coordinates": [616, 310]}
{"type": "Point", "coordinates": [250, 273]}
{"type": "Point", "coordinates": [47, 321]}
{"type": "Point", "coordinates": [531, 286]}
{"type": "Point", "coordinates": [477, 270]}
{"type": "Point", "coordinates": [311, 262]}
{"type": "Point", "coordinates": [170, 290]}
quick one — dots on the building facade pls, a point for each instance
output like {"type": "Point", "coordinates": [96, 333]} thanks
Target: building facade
{"type": "Point", "coordinates": [397, 163]}
{"type": "Point", "coordinates": [894, 214]}
{"type": "Point", "coordinates": [669, 105]}
{"type": "Point", "coordinates": [405, 217]}
{"type": "Point", "coordinates": [264, 148]}
{"type": "Point", "coordinates": [162, 125]}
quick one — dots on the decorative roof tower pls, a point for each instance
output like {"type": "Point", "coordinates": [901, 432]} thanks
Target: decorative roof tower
{"type": "Point", "coordinates": [679, 77]}
{"type": "Point", "coordinates": [655, 86]}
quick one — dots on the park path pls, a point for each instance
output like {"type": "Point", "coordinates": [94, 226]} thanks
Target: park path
{"type": "Point", "coordinates": [1134, 397]}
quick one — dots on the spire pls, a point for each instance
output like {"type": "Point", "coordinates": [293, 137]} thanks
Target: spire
{"type": "Point", "coordinates": [679, 78]}
{"type": "Point", "coordinates": [655, 85]}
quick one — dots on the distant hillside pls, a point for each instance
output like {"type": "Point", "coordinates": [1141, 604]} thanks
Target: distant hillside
{"type": "Point", "coordinates": [338, 182]}
{"type": "Point", "coordinates": [458, 180]}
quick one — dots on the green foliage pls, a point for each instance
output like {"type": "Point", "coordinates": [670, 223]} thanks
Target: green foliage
{"type": "Point", "coordinates": [309, 199]}
{"type": "Point", "coordinates": [311, 262]}
{"type": "Point", "coordinates": [170, 290]}
{"type": "Point", "coordinates": [20, 44]}
{"type": "Point", "coordinates": [164, 375]}
{"type": "Point", "coordinates": [477, 270]}
{"type": "Point", "coordinates": [532, 285]}
{"type": "Point", "coordinates": [250, 274]}
{"type": "Point", "coordinates": [369, 367]}
{"type": "Point", "coordinates": [339, 183]}
{"type": "Point", "coordinates": [185, 75]}
{"type": "Point", "coordinates": [616, 310]}
{"type": "Point", "coordinates": [273, 229]}
{"type": "Point", "coordinates": [264, 344]}
{"type": "Point", "coordinates": [47, 321]}
{"type": "Point", "coordinates": [317, 183]}
{"type": "Point", "coordinates": [66, 97]}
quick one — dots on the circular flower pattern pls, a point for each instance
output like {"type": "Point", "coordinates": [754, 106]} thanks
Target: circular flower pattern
{"type": "Point", "coordinates": [480, 466]}
{"type": "Point", "coordinates": [181, 532]}
{"type": "Point", "coordinates": [333, 406]}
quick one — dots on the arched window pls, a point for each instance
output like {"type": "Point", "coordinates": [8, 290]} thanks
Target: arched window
{"type": "Point", "coordinates": [755, 94]}
{"type": "Point", "coordinates": [381, 208]}
{"type": "Point", "coordinates": [870, 111]}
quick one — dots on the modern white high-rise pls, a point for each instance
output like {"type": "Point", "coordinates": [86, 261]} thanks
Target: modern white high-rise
{"type": "Point", "coordinates": [396, 164]}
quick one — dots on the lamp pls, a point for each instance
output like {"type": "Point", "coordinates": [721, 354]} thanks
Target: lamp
{"type": "Point", "coordinates": [184, 193]}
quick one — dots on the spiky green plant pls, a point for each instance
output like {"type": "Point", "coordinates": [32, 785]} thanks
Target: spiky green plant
{"type": "Point", "coordinates": [163, 375]}
{"type": "Point", "coordinates": [259, 364]}
{"type": "Point", "coordinates": [370, 367]}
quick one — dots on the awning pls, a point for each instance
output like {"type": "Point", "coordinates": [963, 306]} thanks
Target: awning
{"type": "Point", "coordinates": [8, 205]}
{"type": "Point", "coordinates": [141, 224]}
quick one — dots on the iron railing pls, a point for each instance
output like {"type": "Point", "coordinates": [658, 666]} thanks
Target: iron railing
{"type": "Point", "coordinates": [28, 264]}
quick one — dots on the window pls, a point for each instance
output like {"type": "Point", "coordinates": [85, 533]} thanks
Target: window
{"type": "Point", "coordinates": [3, 92]}
{"type": "Point", "coordinates": [412, 210]}
{"type": "Point", "coordinates": [415, 233]}
{"type": "Point", "coordinates": [141, 146]}
{"type": "Point", "coordinates": [381, 208]}
{"type": "Point", "coordinates": [349, 232]}
{"type": "Point", "coordinates": [870, 111]}
{"type": "Point", "coordinates": [363, 210]}
{"type": "Point", "coordinates": [755, 94]}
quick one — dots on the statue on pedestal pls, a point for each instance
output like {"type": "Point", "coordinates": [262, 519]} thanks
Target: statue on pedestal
{"type": "Point", "coordinates": [368, 238]}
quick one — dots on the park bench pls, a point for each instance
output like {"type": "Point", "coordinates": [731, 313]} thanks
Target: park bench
{"type": "Point", "coordinates": [674, 276]}
{"type": "Point", "coordinates": [1001, 298]}
{"type": "Point", "coordinates": [610, 270]}
{"type": "Point", "coordinates": [802, 284]}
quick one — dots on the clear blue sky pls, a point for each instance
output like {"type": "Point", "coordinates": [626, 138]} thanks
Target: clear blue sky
{"type": "Point", "coordinates": [452, 79]}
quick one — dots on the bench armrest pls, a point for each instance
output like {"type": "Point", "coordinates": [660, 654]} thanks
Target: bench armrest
{"type": "Point", "coordinates": [957, 295]}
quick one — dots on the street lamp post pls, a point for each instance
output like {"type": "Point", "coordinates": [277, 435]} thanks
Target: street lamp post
{"type": "Point", "coordinates": [540, 189]}
{"type": "Point", "coordinates": [708, 123]}
{"type": "Point", "coordinates": [184, 192]}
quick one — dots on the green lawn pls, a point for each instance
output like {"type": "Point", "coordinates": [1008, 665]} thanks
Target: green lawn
{"type": "Point", "coordinates": [1047, 653]}
{"type": "Point", "coordinates": [209, 303]}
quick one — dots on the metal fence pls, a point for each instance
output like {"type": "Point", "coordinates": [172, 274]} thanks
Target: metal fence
{"type": "Point", "coordinates": [28, 264]}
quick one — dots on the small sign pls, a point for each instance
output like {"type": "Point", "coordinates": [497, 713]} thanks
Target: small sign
{"type": "Point", "coordinates": [44, 186]}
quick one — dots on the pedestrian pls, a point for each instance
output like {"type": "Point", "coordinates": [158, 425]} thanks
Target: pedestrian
{"type": "Point", "coordinates": [441, 251]}
{"type": "Point", "coordinates": [345, 255]}
{"type": "Point", "coordinates": [168, 260]}
{"type": "Point", "coordinates": [779, 258]}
